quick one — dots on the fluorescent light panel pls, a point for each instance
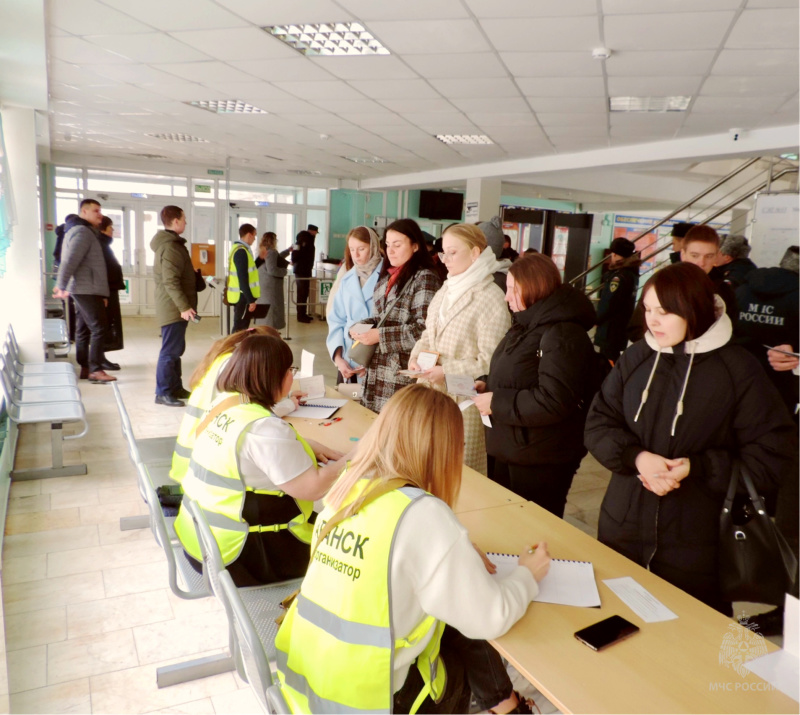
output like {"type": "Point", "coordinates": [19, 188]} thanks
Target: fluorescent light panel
{"type": "Point", "coordinates": [366, 160]}
{"type": "Point", "coordinates": [305, 172]}
{"type": "Point", "coordinates": [328, 39]}
{"type": "Point", "coordinates": [177, 137]}
{"type": "Point", "coordinates": [649, 104]}
{"type": "Point", "coordinates": [226, 106]}
{"type": "Point", "coordinates": [474, 139]}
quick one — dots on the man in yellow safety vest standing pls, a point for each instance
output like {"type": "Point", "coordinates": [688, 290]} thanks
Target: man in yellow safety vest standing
{"type": "Point", "coordinates": [243, 287]}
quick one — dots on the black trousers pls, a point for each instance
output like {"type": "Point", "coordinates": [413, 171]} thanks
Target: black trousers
{"type": "Point", "coordinates": [544, 484]}
{"type": "Point", "coordinates": [303, 289]}
{"type": "Point", "coordinates": [168, 367]}
{"type": "Point", "coordinates": [90, 331]}
{"type": "Point", "coordinates": [473, 667]}
{"type": "Point", "coordinates": [241, 316]}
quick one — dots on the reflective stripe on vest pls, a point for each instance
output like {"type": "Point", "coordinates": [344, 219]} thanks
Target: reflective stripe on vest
{"type": "Point", "coordinates": [198, 405]}
{"type": "Point", "coordinates": [214, 483]}
{"type": "Point", "coordinates": [336, 648]}
{"type": "Point", "coordinates": [233, 276]}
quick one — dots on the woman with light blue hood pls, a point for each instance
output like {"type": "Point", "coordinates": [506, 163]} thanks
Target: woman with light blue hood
{"type": "Point", "coordinates": [352, 301]}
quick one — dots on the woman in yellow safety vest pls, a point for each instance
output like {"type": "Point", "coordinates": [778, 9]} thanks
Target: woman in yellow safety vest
{"type": "Point", "coordinates": [390, 566]}
{"type": "Point", "coordinates": [251, 474]}
{"type": "Point", "coordinates": [203, 384]}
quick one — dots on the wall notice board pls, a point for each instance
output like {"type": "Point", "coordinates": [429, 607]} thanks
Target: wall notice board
{"type": "Point", "coordinates": [775, 227]}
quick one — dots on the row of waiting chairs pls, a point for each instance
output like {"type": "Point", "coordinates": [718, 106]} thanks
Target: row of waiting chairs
{"type": "Point", "coordinates": [42, 393]}
{"type": "Point", "coordinates": [251, 612]}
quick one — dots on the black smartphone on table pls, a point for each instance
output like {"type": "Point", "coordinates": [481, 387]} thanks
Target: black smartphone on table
{"type": "Point", "coordinates": [607, 632]}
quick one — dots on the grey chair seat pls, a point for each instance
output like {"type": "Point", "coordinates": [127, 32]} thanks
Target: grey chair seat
{"type": "Point", "coordinates": [263, 607]}
{"type": "Point", "coordinates": [46, 381]}
{"type": "Point", "coordinates": [155, 450]}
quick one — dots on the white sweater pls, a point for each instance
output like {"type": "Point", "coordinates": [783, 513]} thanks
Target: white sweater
{"type": "Point", "coordinates": [436, 571]}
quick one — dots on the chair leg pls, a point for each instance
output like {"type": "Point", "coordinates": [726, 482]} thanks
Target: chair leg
{"type": "Point", "coordinates": [58, 469]}
{"type": "Point", "coordinates": [194, 670]}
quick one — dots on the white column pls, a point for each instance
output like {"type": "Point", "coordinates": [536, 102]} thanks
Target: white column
{"type": "Point", "coordinates": [486, 193]}
{"type": "Point", "coordinates": [21, 286]}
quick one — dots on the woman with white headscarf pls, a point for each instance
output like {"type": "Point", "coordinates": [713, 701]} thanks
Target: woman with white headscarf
{"type": "Point", "coordinates": [352, 301]}
{"type": "Point", "coordinates": [466, 320]}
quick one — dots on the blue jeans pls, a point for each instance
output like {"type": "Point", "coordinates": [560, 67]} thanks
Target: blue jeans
{"type": "Point", "coordinates": [168, 370]}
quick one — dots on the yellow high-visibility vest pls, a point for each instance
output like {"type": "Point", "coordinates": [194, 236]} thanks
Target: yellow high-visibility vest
{"type": "Point", "coordinates": [335, 646]}
{"type": "Point", "coordinates": [214, 483]}
{"type": "Point", "coordinates": [196, 408]}
{"type": "Point", "coordinates": [234, 291]}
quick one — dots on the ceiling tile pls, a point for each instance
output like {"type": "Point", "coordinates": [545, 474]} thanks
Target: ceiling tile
{"type": "Point", "coordinates": [672, 31]}
{"type": "Point", "coordinates": [322, 90]}
{"type": "Point", "coordinates": [371, 119]}
{"type": "Point", "coordinates": [509, 119]}
{"type": "Point", "coordinates": [753, 86]}
{"type": "Point", "coordinates": [154, 47]}
{"type": "Point", "coordinates": [531, 8]}
{"type": "Point", "coordinates": [276, 13]}
{"type": "Point", "coordinates": [293, 104]}
{"type": "Point", "coordinates": [352, 106]}
{"type": "Point", "coordinates": [79, 52]}
{"type": "Point", "coordinates": [552, 64]}
{"type": "Point", "coordinates": [430, 37]}
{"type": "Point", "coordinates": [562, 87]}
{"type": "Point", "coordinates": [653, 86]}
{"type": "Point", "coordinates": [206, 72]}
{"type": "Point", "coordinates": [457, 65]}
{"type": "Point", "coordinates": [258, 93]}
{"type": "Point", "coordinates": [420, 105]}
{"type": "Point", "coordinates": [767, 29]}
{"type": "Point", "coordinates": [399, 89]}
{"type": "Point", "coordinates": [89, 17]}
{"type": "Point", "coordinates": [685, 63]}
{"type": "Point", "coordinates": [178, 14]}
{"type": "Point", "coordinates": [138, 74]}
{"type": "Point", "coordinates": [637, 7]}
{"type": "Point", "coordinates": [756, 62]}
{"type": "Point", "coordinates": [368, 67]}
{"type": "Point", "coordinates": [475, 88]}
{"type": "Point", "coordinates": [368, 10]}
{"type": "Point", "coordinates": [298, 69]}
{"type": "Point", "coordinates": [441, 123]}
{"type": "Point", "coordinates": [639, 122]}
{"type": "Point", "coordinates": [245, 43]}
{"type": "Point", "coordinates": [713, 123]}
{"type": "Point", "coordinates": [185, 91]}
{"type": "Point", "coordinates": [752, 4]}
{"type": "Point", "coordinates": [126, 92]}
{"type": "Point", "coordinates": [67, 73]}
{"type": "Point", "coordinates": [508, 104]}
{"type": "Point", "coordinates": [569, 104]}
{"type": "Point", "coordinates": [554, 34]}
{"type": "Point", "coordinates": [559, 119]}
{"type": "Point", "coordinates": [562, 130]}
{"type": "Point", "coordinates": [733, 105]}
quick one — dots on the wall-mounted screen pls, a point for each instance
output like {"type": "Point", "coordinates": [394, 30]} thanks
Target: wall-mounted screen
{"type": "Point", "coordinates": [441, 205]}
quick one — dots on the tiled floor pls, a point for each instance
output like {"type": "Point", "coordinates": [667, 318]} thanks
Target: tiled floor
{"type": "Point", "coordinates": [88, 616]}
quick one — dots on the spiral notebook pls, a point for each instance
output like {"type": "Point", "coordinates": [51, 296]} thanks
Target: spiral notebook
{"type": "Point", "coordinates": [568, 583]}
{"type": "Point", "coordinates": [318, 409]}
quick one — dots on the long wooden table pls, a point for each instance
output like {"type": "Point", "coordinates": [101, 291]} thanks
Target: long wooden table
{"type": "Point", "coordinates": [672, 666]}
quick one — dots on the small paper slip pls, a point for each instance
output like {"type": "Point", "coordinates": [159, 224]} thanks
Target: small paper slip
{"type": "Point", "coordinates": [306, 364]}
{"type": "Point", "coordinates": [320, 409]}
{"type": "Point", "coordinates": [314, 387]}
{"type": "Point", "coordinates": [568, 583]}
{"type": "Point", "coordinates": [427, 359]}
{"type": "Point", "coordinates": [486, 420]}
{"type": "Point", "coordinates": [782, 668]}
{"type": "Point", "coordinates": [465, 404]}
{"type": "Point", "coordinates": [460, 385]}
{"type": "Point", "coordinates": [360, 328]}
{"type": "Point", "coordinates": [643, 603]}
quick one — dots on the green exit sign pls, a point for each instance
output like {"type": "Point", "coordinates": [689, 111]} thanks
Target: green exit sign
{"type": "Point", "coordinates": [202, 189]}
{"type": "Point", "coordinates": [216, 172]}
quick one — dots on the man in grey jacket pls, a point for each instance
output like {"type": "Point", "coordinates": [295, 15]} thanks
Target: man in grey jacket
{"type": "Point", "coordinates": [82, 274]}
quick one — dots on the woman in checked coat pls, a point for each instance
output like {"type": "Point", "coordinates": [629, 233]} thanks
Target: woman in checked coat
{"type": "Point", "coordinates": [466, 320]}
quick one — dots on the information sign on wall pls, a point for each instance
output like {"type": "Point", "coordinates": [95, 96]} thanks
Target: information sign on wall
{"type": "Point", "coordinates": [325, 290]}
{"type": "Point", "coordinates": [125, 293]}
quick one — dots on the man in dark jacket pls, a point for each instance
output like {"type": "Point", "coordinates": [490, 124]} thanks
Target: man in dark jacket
{"type": "Point", "coordinates": [617, 298]}
{"type": "Point", "coordinates": [733, 264]}
{"type": "Point", "coordinates": [82, 274]}
{"type": "Point", "coordinates": [679, 231]}
{"type": "Point", "coordinates": [176, 303]}
{"type": "Point", "coordinates": [303, 262]}
{"type": "Point", "coordinates": [701, 247]}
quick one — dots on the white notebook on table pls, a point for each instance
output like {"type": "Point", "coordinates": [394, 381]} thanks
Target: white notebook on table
{"type": "Point", "coordinates": [568, 583]}
{"type": "Point", "coordinates": [319, 408]}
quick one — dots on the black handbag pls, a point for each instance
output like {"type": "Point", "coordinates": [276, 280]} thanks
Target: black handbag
{"type": "Point", "coordinates": [756, 562]}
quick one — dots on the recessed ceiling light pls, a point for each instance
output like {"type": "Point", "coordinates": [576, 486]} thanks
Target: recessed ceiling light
{"type": "Point", "coordinates": [151, 156]}
{"type": "Point", "coordinates": [649, 104]}
{"type": "Point", "coordinates": [177, 137]}
{"type": "Point", "coordinates": [305, 172]}
{"type": "Point", "coordinates": [226, 106]}
{"type": "Point", "coordinates": [366, 160]}
{"type": "Point", "coordinates": [790, 157]}
{"type": "Point", "coordinates": [328, 38]}
{"type": "Point", "coordinates": [464, 139]}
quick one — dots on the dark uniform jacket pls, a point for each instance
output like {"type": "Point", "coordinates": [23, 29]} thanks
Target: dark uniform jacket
{"type": "Point", "coordinates": [734, 273]}
{"type": "Point", "coordinates": [537, 377]}
{"type": "Point", "coordinates": [617, 301]}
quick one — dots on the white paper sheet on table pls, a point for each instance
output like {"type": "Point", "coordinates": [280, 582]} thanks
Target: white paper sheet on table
{"type": "Point", "coordinates": [782, 668]}
{"type": "Point", "coordinates": [313, 386]}
{"type": "Point", "coordinates": [643, 603]}
{"type": "Point", "coordinates": [306, 364]}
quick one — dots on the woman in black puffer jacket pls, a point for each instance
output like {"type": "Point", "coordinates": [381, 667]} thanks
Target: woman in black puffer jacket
{"type": "Point", "coordinates": [537, 385]}
{"type": "Point", "coordinates": [678, 410]}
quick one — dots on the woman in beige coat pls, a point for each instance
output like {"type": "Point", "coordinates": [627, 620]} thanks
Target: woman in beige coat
{"type": "Point", "coordinates": [466, 320]}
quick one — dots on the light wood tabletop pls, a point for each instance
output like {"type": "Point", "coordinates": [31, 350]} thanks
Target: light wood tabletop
{"type": "Point", "coordinates": [673, 666]}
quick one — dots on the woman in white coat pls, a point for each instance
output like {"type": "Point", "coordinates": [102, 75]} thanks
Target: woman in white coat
{"type": "Point", "coordinates": [466, 320]}
{"type": "Point", "coordinates": [352, 302]}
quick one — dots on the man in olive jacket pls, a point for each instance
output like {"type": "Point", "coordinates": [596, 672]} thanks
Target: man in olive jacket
{"type": "Point", "coordinates": [176, 303]}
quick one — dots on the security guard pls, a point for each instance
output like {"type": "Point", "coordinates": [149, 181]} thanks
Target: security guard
{"type": "Point", "coordinates": [252, 475]}
{"type": "Point", "coordinates": [617, 298]}
{"type": "Point", "coordinates": [243, 288]}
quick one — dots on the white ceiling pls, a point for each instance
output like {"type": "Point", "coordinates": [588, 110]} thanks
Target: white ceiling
{"type": "Point", "coordinates": [519, 71]}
